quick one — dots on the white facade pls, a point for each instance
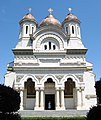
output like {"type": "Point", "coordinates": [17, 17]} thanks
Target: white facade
{"type": "Point", "coordinates": [50, 69]}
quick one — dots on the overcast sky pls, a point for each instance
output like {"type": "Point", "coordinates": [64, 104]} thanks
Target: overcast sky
{"type": "Point", "coordinates": [88, 12]}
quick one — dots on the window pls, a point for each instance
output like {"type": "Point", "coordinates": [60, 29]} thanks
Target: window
{"type": "Point", "coordinates": [45, 47]}
{"type": "Point", "coordinates": [26, 29]}
{"type": "Point", "coordinates": [54, 47]}
{"type": "Point", "coordinates": [69, 85]}
{"type": "Point", "coordinates": [72, 29]}
{"type": "Point", "coordinates": [32, 29]}
{"type": "Point", "coordinates": [30, 87]}
{"type": "Point", "coordinates": [67, 30]}
{"type": "Point", "coordinates": [49, 45]}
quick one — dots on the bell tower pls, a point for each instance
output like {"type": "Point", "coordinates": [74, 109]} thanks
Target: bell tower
{"type": "Point", "coordinates": [71, 26]}
{"type": "Point", "coordinates": [28, 26]}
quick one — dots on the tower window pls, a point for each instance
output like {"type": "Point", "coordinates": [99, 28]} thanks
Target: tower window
{"type": "Point", "coordinates": [72, 29]}
{"type": "Point", "coordinates": [32, 29]}
{"type": "Point", "coordinates": [26, 29]}
{"type": "Point", "coordinates": [67, 30]}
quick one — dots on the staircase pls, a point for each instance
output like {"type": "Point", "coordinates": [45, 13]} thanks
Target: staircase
{"type": "Point", "coordinates": [53, 113]}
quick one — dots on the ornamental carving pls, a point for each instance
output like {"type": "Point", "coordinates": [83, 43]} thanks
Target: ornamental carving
{"type": "Point", "coordinates": [39, 77]}
{"type": "Point", "coordinates": [59, 77]}
{"type": "Point", "coordinates": [19, 77]}
{"type": "Point", "coordinates": [80, 77]}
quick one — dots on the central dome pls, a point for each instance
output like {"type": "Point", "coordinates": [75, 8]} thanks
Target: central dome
{"type": "Point", "coordinates": [50, 20]}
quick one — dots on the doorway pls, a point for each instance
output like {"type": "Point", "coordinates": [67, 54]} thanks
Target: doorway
{"type": "Point", "coordinates": [50, 102]}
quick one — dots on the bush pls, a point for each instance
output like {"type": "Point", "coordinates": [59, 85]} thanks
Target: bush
{"type": "Point", "coordinates": [9, 99]}
{"type": "Point", "coordinates": [9, 103]}
{"type": "Point", "coordinates": [12, 116]}
{"type": "Point", "coordinates": [94, 113]}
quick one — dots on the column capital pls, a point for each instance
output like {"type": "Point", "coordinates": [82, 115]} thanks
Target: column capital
{"type": "Point", "coordinates": [41, 88]}
{"type": "Point", "coordinates": [57, 88]}
{"type": "Point", "coordinates": [37, 88]}
{"type": "Point", "coordinates": [62, 88]}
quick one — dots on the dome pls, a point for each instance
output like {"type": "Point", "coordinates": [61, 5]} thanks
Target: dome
{"type": "Point", "coordinates": [50, 20]}
{"type": "Point", "coordinates": [71, 17]}
{"type": "Point", "coordinates": [28, 17]}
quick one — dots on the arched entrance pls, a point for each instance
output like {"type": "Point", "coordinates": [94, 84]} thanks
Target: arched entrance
{"type": "Point", "coordinates": [49, 94]}
{"type": "Point", "coordinates": [69, 94]}
{"type": "Point", "coordinates": [30, 94]}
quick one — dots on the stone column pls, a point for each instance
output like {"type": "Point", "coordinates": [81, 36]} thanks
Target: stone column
{"type": "Point", "coordinates": [42, 99]}
{"type": "Point", "coordinates": [62, 99]}
{"type": "Point", "coordinates": [37, 99]}
{"type": "Point", "coordinates": [82, 97]}
{"type": "Point", "coordinates": [57, 99]}
{"type": "Point", "coordinates": [78, 98]}
{"type": "Point", "coordinates": [22, 99]}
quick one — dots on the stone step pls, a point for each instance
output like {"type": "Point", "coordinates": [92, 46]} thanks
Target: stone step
{"type": "Point", "coordinates": [53, 113]}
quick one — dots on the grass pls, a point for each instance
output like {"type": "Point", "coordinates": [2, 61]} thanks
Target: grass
{"type": "Point", "coordinates": [54, 118]}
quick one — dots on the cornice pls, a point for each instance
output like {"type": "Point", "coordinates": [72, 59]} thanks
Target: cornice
{"type": "Point", "coordinates": [76, 51]}
{"type": "Point", "coordinates": [22, 51]}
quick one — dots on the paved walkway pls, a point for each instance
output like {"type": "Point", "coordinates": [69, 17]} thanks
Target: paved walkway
{"type": "Point", "coordinates": [53, 113]}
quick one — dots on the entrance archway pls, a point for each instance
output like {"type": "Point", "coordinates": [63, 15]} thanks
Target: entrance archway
{"type": "Point", "coordinates": [30, 94]}
{"type": "Point", "coordinates": [49, 94]}
{"type": "Point", "coordinates": [69, 94]}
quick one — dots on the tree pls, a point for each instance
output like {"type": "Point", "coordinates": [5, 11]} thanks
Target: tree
{"type": "Point", "coordinates": [98, 90]}
{"type": "Point", "coordinates": [94, 113]}
{"type": "Point", "coordinates": [9, 103]}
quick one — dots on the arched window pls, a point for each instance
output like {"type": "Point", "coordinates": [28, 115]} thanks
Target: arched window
{"type": "Point", "coordinates": [54, 47]}
{"type": "Point", "coordinates": [26, 29]}
{"type": "Point", "coordinates": [72, 29]}
{"type": "Point", "coordinates": [32, 30]}
{"type": "Point", "coordinates": [67, 30]}
{"type": "Point", "coordinates": [69, 85]}
{"type": "Point", "coordinates": [45, 47]}
{"type": "Point", "coordinates": [30, 87]}
{"type": "Point", "coordinates": [49, 45]}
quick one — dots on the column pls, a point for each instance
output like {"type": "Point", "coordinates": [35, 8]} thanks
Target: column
{"type": "Point", "coordinates": [82, 97]}
{"type": "Point", "coordinates": [22, 99]}
{"type": "Point", "coordinates": [62, 99]}
{"type": "Point", "coordinates": [57, 99]}
{"type": "Point", "coordinates": [78, 98]}
{"type": "Point", "coordinates": [42, 99]}
{"type": "Point", "coordinates": [37, 99]}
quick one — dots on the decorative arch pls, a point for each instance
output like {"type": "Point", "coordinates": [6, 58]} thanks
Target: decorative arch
{"type": "Point", "coordinates": [44, 79]}
{"type": "Point", "coordinates": [26, 77]}
{"type": "Point", "coordinates": [49, 35]}
{"type": "Point", "coordinates": [70, 76]}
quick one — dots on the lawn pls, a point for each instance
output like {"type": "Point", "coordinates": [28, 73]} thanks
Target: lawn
{"type": "Point", "coordinates": [54, 118]}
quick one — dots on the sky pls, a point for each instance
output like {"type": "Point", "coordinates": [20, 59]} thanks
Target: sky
{"type": "Point", "coordinates": [87, 11]}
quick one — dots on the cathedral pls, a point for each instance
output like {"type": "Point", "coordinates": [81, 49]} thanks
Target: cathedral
{"type": "Point", "coordinates": [50, 70]}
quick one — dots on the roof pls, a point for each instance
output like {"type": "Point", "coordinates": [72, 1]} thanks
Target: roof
{"type": "Point", "coordinates": [28, 17]}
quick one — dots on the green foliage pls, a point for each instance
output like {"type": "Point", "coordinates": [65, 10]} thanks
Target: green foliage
{"type": "Point", "coordinates": [98, 90]}
{"type": "Point", "coordinates": [55, 118]}
{"type": "Point", "coordinates": [9, 99]}
{"type": "Point", "coordinates": [11, 116]}
{"type": "Point", "coordinates": [9, 103]}
{"type": "Point", "coordinates": [94, 113]}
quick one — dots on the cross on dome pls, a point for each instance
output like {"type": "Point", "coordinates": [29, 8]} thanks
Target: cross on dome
{"type": "Point", "coordinates": [30, 10]}
{"type": "Point", "coordinates": [50, 11]}
{"type": "Point", "coordinates": [70, 10]}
